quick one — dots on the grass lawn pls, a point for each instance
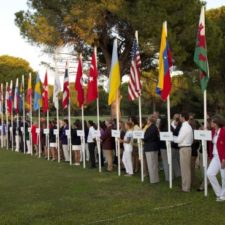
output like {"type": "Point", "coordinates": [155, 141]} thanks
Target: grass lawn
{"type": "Point", "coordinates": [37, 192]}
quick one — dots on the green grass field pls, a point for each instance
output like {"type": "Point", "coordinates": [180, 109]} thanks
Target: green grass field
{"type": "Point", "coordinates": [35, 191]}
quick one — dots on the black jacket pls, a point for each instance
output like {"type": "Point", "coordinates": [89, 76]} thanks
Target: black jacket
{"type": "Point", "coordinates": [75, 140]}
{"type": "Point", "coordinates": [52, 137]}
{"type": "Point", "coordinates": [151, 139]}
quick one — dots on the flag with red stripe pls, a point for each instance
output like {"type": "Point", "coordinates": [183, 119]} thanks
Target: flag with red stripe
{"type": "Point", "coordinates": [45, 94]}
{"type": "Point", "coordinates": [134, 86]}
{"type": "Point", "coordinates": [66, 89]}
{"type": "Point", "coordinates": [78, 84]}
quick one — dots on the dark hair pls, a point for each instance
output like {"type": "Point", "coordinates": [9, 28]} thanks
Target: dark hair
{"type": "Point", "coordinates": [129, 124]}
{"type": "Point", "coordinates": [77, 123]}
{"type": "Point", "coordinates": [134, 119]}
{"type": "Point", "coordinates": [91, 122]}
{"type": "Point", "coordinates": [163, 125]}
{"type": "Point", "coordinates": [185, 115]}
{"type": "Point", "coordinates": [66, 121]}
{"type": "Point", "coordinates": [217, 119]}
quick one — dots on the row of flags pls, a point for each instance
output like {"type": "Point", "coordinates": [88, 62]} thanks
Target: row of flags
{"type": "Point", "coordinates": [164, 84]}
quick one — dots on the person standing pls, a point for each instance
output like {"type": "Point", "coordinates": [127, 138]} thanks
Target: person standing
{"type": "Point", "coordinates": [152, 148]}
{"type": "Point", "coordinates": [217, 155]}
{"type": "Point", "coordinates": [91, 143]}
{"type": "Point", "coordinates": [128, 148]}
{"type": "Point", "coordinates": [185, 140]}
{"type": "Point", "coordinates": [64, 140]}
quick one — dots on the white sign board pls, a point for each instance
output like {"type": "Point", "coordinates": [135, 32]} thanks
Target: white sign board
{"type": "Point", "coordinates": [55, 131]}
{"type": "Point", "coordinates": [80, 133]}
{"type": "Point", "coordinates": [97, 134]}
{"type": "Point", "coordinates": [116, 133]}
{"type": "Point", "coordinates": [68, 133]}
{"type": "Point", "coordinates": [166, 136]}
{"type": "Point", "coordinates": [10, 129]}
{"type": "Point", "coordinates": [138, 134]}
{"type": "Point", "coordinates": [204, 135]}
{"type": "Point", "coordinates": [38, 130]}
{"type": "Point", "coordinates": [46, 131]}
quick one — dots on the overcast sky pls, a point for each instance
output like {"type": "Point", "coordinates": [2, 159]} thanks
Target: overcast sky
{"type": "Point", "coordinates": [11, 43]}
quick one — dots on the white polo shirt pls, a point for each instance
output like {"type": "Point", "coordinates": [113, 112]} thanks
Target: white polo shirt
{"type": "Point", "coordinates": [185, 137]}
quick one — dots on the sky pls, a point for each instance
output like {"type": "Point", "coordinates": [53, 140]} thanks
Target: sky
{"type": "Point", "coordinates": [12, 43]}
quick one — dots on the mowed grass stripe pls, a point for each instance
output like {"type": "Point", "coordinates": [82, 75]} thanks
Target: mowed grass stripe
{"type": "Point", "coordinates": [40, 192]}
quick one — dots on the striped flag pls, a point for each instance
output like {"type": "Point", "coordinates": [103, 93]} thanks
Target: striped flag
{"type": "Point", "coordinates": [134, 86]}
{"type": "Point", "coordinates": [165, 65]}
{"type": "Point", "coordinates": [29, 94]}
{"type": "Point", "coordinates": [66, 89]}
{"type": "Point", "coordinates": [37, 94]}
{"type": "Point", "coordinates": [16, 97]}
{"type": "Point", "coordinates": [78, 84]}
{"type": "Point", "coordinates": [114, 77]}
{"type": "Point", "coordinates": [45, 94]}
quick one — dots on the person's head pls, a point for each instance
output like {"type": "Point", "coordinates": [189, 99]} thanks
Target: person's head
{"type": "Point", "coordinates": [177, 121]}
{"type": "Point", "coordinates": [134, 120]}
{"type": "Point", "coordinates": [217, 122]}
{"type": "Point", "coordinates": [163, 124]}
{"type": "Point", "coordinates": [102, 125]}
{"type": "Point", "coordinates": [90, 123]}
{"type": "Point", "coordinates": [108, 123]}
{"type": "Point", "coordinates": [152, 119]}
{"type": "Point", "coordinates": [176, 116]}
{"type": "Point", "coordinates": [122, 125]}
{"type": "Point", "coordinates": [65, 122]}
{"type": "Point", "coordinates": [156, 114]}
{"type": "Point", "coordinates": [77, 124]}
{"type": "Point", "coordinates": [128, 125]}
{"type": "Point", "coordinates": [184, 117]}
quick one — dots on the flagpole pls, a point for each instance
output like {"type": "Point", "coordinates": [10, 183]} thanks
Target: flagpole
{"type": "Point", "coordinates": [98, 122]}
{"type": "Point", "coordinates": [12, 127]}
{"type": "Point", "coordinates": [47, 135]}
{"type": "Point", "coordinates": [24, 139]}
{"type": "Point", "coordinates": [140, 143]}
{"type": "Point", "coordinates": [69, 136]}
{"type": "Point", "coordinates": [118, 127]}
{"type": "Point", "coordinates": [31, 121]}
{"type": "Point", "coordinates": [6, 113]}
{"type": "Point", "coordinates": [168, 143]}
{"type": "Point", "coordinates": [57, 116]}
{"type": "Point", "coordinates": [83, 137]}
{"type": "Point", "coordinates": [39, 133]}
{"type": "Point", "coordinates": [204, 145]}
{"type": "Point", "coordinates": [2, 117]}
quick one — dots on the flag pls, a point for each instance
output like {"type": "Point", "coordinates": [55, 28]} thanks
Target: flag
{"type": "Point", "coordinates": [37, 94]}
{"type": "Point", "coordinates": [1, 99]}
{"type": "Point", "coordinates": [92, 88]}
{"type": "Point", "coordinates": [45, 94]}
{"type": "Point", "coordinates": [29, 94]}
{"type": "Point", "coordinates": [6, 97]}
{"type": "Point", "coordinates": [134, 86]}
{"type": "Point", "coordinates": [200, 55]}
{"type": "Point", "coordinates": [165, 65]}
{"type": "Point", "coordinates": [114, 77]}
{"type": "Point", "coordinates": [56, 91]}
{"type": "Point", "coordinates": [21, 92]}
{"type": "Point", "coordinates": [66, 89]}
{"type": "Point", "coordinates": [16, 97]}
{"type": "Point", "coordinates": [9, 97]}
{"type": "Point", "coordinates": [78, 84]}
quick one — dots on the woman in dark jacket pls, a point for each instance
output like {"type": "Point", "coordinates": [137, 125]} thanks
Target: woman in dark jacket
{"type": "Point", "coordinates": [52, 140]}
{"type": "Point", "coordinates": [76, 142]}
{"type": "Point", "coordinates": [151, 149]}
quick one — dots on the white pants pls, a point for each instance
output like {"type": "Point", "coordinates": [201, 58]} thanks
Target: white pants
{"type": "Point", "coordinates": [127, 160]}
{"type": "Point", "coordinates": [17, 143]}
{"type": "Point", "coordinates": [66, 153]}
{"type": "Point", "coordinates": [28, 147]}
{"type": "Point", "coordinates": [213, 170]}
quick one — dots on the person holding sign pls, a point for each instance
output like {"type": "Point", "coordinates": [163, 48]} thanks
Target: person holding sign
{"type": "Point", "coordinates": [185, 140]}
{"type": "Point", "coordinates": [152, 148]}
{"type": "Point", "coordinates": [217, 155]}
{"type": "Point", "coordinates": [128, 148]}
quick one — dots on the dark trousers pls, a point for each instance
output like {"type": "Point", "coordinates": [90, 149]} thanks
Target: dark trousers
{"type": "Point", "coordinates": [91, 147]}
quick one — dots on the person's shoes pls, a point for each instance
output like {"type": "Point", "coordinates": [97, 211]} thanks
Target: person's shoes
{"type": "Point", "coordinates": [220, 199]}
{"type": "Point", "coordinates": [128, 175]}
{"type": "Point", "coordinates": [200, 189]}
{"type": "Point", "coordinates": [77, 164]}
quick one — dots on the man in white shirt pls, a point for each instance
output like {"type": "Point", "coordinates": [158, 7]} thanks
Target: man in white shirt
{"type": "Point", "coordinates": [185, 140]}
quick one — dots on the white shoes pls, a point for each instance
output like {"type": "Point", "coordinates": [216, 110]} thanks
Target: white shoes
{"type": "Point", "coordinates": [220, 199]}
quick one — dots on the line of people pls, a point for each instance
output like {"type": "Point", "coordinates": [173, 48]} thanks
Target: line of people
{"type": "Point", "coordinates": [186, 151]}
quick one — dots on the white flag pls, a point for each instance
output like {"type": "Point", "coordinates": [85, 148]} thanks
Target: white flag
{"type": "Point", "coordinates": [57, 90]}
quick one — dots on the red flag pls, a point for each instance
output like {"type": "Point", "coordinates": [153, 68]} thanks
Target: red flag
{"type": "Point", "coordinates": [78, 84]}
{"type": "Point", "coordinates": [66, 90]}
{"type": "Point", "coordinates": [45, 94]}
{"type": "Point", "coordinates": [92, 89]}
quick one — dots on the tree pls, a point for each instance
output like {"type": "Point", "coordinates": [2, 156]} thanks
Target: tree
{"type": "Point", "coordinates": [13, 67]}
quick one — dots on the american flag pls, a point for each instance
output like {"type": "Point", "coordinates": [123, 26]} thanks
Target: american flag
{"type": "Point", "coordinates": [66, 90]}
{"type": "Point", "coordinates": [134, 86]}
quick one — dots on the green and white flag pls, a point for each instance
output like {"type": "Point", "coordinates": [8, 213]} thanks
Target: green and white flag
{"type": "Point", "coordinates": [200, 56]}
